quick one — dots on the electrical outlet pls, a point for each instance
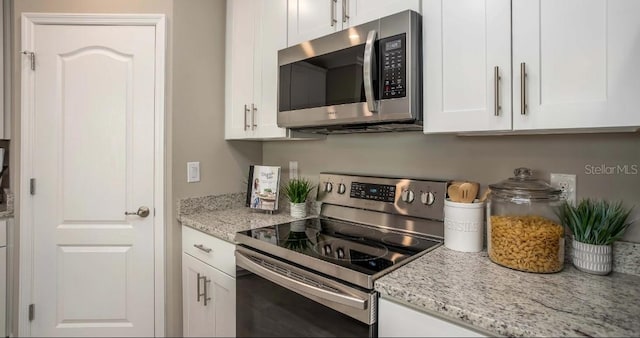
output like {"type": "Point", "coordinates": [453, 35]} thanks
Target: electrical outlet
{"type": "Point", "coordinates": [566, 183]}
{"type": "Point", "coordinates": [293, 169]}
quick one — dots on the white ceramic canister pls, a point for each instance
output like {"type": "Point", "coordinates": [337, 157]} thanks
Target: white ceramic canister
{"type": "Point", "coordinates": [463, 226]}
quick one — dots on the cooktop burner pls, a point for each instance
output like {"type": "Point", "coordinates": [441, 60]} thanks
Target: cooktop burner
{"type": "Point", "coordinates": [357, 247]}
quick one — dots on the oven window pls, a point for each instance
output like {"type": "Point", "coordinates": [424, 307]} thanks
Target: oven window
{"type": "Point", "coordinates": [330, 79]}
{"type": "Point", "coordinates": [265, 309]}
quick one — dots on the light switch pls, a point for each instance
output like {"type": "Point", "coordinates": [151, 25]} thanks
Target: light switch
{"type": "Point", "coordinates": [193, 172]}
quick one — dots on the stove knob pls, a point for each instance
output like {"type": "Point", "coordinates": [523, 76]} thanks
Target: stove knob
{"type": "Point", "coordinates": [328, 187]}
{"type": "Point", "coordinates": [327, 249]}
{"type": "Point", "coordinates": [341, 188]}
{"type": "Point", "coordinates": [408, 196]}
{"type": "Point", "coordinates": [427, 198]}
{"type": "Point", "coordinates": [340, 252]}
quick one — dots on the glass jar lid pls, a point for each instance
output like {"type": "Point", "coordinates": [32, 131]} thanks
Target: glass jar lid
{"type": "Point", "coordinates": [522, 185]}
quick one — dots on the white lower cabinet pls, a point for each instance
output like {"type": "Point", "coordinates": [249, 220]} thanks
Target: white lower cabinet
{"type": "Point", "coordinates": [208, 294]}
{"type": "Point", "coordinates": [395, 320]}
{"type": "Point", "coordinates": [3, 278]}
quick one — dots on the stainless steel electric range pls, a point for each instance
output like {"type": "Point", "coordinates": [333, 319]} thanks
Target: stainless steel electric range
{"type": "Point", "coordinates": [315, 277]}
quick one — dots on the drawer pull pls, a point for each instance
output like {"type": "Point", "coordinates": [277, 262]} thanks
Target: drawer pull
{"type": "Point", "coordinates": [202, 247]}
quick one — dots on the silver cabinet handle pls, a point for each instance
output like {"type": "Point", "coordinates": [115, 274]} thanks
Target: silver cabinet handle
{"type": "Point", "coordinates": [345, 11]}
{"type": "Point", "coordinates": [253, 116]}
{"type": "Point", "coordinates": [523, 89]}
{"type": "Point", "coordinates": [142, 212]}
{"type": "Point", "coordinates": [333, 12]}
{"type": "Point", "coordinates": [198, 288]}
{"type": "Point", "coordinates": [202, 247]}
{"type": "Point", "coordinates": [204, 294]}
{"type": "Point", "coordinates": [206, 297]}
{"type": "Point", "coordinates": [496, 76]}
{"type": "Point", "coordinates": [246, 111]}
{"type": "Point", "coordinates": [367, 68]}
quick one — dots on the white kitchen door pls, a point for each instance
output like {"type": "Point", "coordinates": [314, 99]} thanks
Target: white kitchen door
{"type": "Point", "coordinates": [93, 157]}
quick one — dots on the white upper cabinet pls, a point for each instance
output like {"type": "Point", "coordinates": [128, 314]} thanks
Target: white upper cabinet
{"type": "Point", "coordinates": [361, 11]}
{"type": "Point", "coordinates": [256, 30]}
{"type": "Point", "coordinates": [310, 19]}
{"type": "Point", "coordinates": [239, 67]}
{"type": "Point", "coordinates": [581, 63]}
{"type": "Point", "coordinates": [579, 57]}
{"type": "Point", "coordinates": [467, 65]}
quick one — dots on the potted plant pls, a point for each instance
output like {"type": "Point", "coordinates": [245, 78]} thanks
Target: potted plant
{"type": "Point", "coordinates": [595, 226]}
{"type": "Point", "coordinates": [297, 190]}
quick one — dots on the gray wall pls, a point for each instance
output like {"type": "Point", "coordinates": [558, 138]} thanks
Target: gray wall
{"type": "Point", "coordinates": [194, 114]}
{"type": "Point", "coordinates": [198, 127]}
{"type": "Point", "coordinates": [486, 159]}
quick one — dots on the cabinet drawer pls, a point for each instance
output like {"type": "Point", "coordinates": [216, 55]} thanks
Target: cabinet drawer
{"type": "Point", "coordinates": [213, 251]}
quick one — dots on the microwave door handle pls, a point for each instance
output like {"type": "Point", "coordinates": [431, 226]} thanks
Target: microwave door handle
{"type": "Point", "coordinates": [367, 71]}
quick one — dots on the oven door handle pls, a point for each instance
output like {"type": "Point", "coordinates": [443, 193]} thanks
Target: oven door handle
{"type": "Point", "coordinates": [367, 71]}
{"type": "Point", "coordinates": [292, 284]}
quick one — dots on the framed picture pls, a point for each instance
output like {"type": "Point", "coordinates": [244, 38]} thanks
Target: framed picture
{"type": "Point", "coordinates": [263, 187]}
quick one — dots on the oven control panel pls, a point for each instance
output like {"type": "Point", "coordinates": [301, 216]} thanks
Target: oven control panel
{"type": "Point", "coordinates": [374, 192]}
{"type": "Point", "coordinates": [404, 196]}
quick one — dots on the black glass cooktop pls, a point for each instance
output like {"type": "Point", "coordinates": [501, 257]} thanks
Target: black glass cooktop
{"type": "Point", "coordinates": [358, 247]}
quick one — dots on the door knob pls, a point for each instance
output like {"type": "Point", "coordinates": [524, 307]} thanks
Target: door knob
{"type": "Point", "coordinates": [142, 212]}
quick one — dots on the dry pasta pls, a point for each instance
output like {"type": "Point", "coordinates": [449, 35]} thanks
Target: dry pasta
{"type": "Point", "coordinates": [527, 243]}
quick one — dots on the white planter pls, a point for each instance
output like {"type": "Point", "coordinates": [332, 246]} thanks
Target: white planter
{"type": "Point", "coordinates": [594, 259]}
{"type": "Point", "coordinates": [298, 210]}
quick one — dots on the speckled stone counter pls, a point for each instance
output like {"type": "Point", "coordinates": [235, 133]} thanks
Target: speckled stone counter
{"type": "Point", "coordinates": [222, 216]}
{"type": "Point", "coordinates": [6, 209]}
{"type": "Point", "coordinates": [225, 223]}
{"type": "Point", "coordinates": [468, 287]}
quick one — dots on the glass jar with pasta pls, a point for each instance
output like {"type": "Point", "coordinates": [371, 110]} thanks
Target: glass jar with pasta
{"type": "Point", "coordinates": [523, 231]}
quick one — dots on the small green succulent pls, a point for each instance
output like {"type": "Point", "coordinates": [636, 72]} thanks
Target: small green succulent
{"type": "Point", "coordinates": [595, 222]}
{"type": "Point", "coordinates": [297, 190]}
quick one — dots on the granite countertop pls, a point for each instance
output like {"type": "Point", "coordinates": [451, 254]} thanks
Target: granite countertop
{"type": "Point", "coordinates": [468, 287]}
{"type": "Point", "coordinates": [6, 208]}
{"type": "Point", "coordinates": [224, 224]}
{"type": "Point", "coordinates": [224, 215]}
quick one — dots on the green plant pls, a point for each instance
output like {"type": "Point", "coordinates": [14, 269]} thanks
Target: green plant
{"type": "Point", "coordinates": [595, 222]}
{"type": "Point", "coordinates": [297, 190]}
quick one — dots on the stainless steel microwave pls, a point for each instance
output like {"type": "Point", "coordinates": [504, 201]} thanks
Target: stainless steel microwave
{"type": "Point", "coordinates": [363, 78]}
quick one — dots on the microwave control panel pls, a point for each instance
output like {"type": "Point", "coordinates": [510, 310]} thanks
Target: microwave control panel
{"type": "Point", "coordinates": [394, 70]}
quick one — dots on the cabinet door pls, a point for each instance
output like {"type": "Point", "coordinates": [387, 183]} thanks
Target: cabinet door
{"type": "Point", "coordinates": [198, 320]}
{"type": "Point", "coordinates": [239, 68]}
{"type": "Point", "coordinates": [396, 320]}
{"type": "Point", "coordinates": [272, 36]}
{"type": "Point", "coordinates": [3, 291]}
{"type": "Point", "coordinates": [361, 11]}
{"type": "Point", "coordinates": [217, 317]}
{"type": "Point", "coordinates": [310, 19]}
{"type": "Point", "coordinates": [581, 62]}
{"type": "Point", "coordinates": [464, 41]}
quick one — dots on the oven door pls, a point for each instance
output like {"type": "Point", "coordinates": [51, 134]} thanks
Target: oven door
{"type": "Point", "coordinates": [277, 299]}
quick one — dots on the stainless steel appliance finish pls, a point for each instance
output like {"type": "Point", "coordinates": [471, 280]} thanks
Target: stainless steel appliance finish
{"type": "Point", "coordinates": [355, 303]}
{"type": "Point", "coordinates": [368, 227]}
{"type": "Point", "coordinates": [366, 78]}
